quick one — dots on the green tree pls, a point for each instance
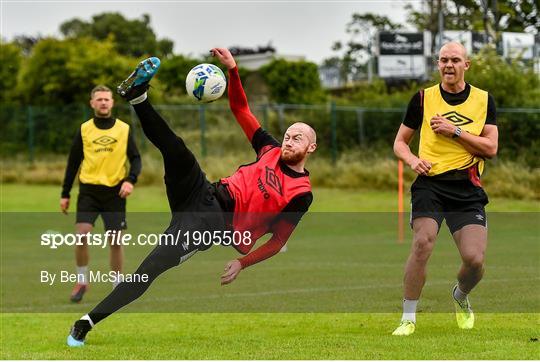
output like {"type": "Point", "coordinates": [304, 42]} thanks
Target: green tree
{"type": "Point", "coordinates": [64, 71]}
{"type": "Point", "coordinates": [359, 49]}
{"type": "Point", "coordinates": [132, 37]}
{"type": "Point", "coordinates": [511, 84]}
{"type": "Point", "coordinates": [26, 42]}
{"type": "Point", "coordinates": [173, 73]}
{"type": "Point", "coordinates": [457, 15]}
{"type": "Point", "coordinates": [489, 16]}
{"type": "Point", "coordinates": [10, 63]}
{"type": "Point", "coordinates": [518, 15]}
{"type": "Point", "coordinates": [293, 82]}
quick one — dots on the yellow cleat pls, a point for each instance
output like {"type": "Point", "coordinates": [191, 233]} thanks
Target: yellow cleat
{"type": "Point", "coordinates": [464, 313]}
{"type": "Point", "coordinates": [406, 328]}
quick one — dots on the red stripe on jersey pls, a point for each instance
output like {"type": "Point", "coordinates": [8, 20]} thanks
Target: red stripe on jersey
{"type": "Point", "coordinates": [473, 175]}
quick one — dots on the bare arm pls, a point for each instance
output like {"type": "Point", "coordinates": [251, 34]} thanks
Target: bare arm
{"type": "Point", "coordinates": [403, 151]}
{"type": "Point", "coordinates": [485, 145]}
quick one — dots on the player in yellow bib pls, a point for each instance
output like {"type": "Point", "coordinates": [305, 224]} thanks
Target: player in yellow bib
{"type": "Point", "coordinates": [101, 148]}
{"type": "Point", "coordinates": [458, 132]}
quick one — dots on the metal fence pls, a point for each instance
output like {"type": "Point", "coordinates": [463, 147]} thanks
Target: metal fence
{"type": "Point", "coordinates": [212, 130]}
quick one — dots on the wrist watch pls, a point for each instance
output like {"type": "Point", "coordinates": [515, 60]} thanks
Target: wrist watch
{"type": "Point", "coordinates": [457, 132]}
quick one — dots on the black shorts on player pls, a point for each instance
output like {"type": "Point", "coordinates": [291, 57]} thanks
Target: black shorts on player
{"type": "Point", "coordinates": [451, 196]}
{"type": "Point", "coordinates": [95, 200]}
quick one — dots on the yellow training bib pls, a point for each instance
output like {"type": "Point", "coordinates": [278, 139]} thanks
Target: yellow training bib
{"type": "Point", "coordinates": [105, 153]}
{"type": "Point", "coordinates": [446, 153]}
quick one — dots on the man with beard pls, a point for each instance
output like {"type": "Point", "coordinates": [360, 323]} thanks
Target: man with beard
{"type": "Point", "coordinates": [269, 195]}
{"type": "Point", "coordinates": [101, 148]}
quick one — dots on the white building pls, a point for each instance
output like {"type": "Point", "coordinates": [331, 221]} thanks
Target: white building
{"type": "Point", "coordinates": [256, 61]}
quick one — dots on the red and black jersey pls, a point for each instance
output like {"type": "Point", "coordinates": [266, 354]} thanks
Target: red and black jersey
{"type": "Point", "coordinates": [265, 196]}
{"type": "Point", "coordinates": [261, 191]}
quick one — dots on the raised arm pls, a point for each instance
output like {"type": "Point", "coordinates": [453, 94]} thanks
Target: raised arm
{"type": "Point", "coordinates": [237, 98]}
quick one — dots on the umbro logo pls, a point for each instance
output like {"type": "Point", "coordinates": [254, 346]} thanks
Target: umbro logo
{"type": "Point", "coordinates": [104, 140]}
{"type": "Point", "coordinates": [479, 217]}
{"type": "Point", "coordinates": [457, 119]}
{"type": "Point", "coordinates": [272, 180]}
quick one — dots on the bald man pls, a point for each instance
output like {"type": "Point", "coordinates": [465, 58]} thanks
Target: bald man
{"type": "Point", "coordinates": [268, 196]}
{"type": "Point", "coordinates": [458, 132]}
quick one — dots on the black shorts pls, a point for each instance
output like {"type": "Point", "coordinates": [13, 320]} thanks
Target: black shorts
{"type": "Point", "coordinates": [458, 201]}
{"type": "Point", "coordinates": [194, 204]}
{"type": "Point", "coordinates": [95, 200]}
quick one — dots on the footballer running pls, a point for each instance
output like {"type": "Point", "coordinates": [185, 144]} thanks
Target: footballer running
{"type": "Point", "coordinates": [458, 131]}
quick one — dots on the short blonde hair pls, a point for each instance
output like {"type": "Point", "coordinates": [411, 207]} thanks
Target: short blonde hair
{"type": "Point", "coordinates": [100, 88]}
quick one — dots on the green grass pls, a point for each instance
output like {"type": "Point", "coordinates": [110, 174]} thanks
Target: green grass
{"type": "Point", "coordinates": [335, 294]}
{"type": "Point", "coordinates": [271, 336]}
{"type": "Point", "coordinates": [153, 198]}
{"type": "Point", "coordinates": [354, 169]}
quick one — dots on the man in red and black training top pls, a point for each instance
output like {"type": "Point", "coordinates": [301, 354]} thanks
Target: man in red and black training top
{"type": "Point", "coordinates": [268, 196]}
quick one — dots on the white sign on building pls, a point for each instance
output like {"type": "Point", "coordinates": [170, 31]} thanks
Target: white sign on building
{"type": "Point", "coordinates": [518, 44]}
{"type": "Point", "coordinates": [401, 55]}
{"type": "Point", "coordinates": [402, 66]}
{"type": "Point", "coordinates": [463, 37]}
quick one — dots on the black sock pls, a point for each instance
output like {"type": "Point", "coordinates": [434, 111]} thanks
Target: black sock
{"type": "Point", "coordinates": [160, 259]}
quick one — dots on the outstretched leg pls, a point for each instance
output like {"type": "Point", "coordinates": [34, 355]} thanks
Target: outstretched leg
{"type": "Point", "coordinates": [184, 180]}
{"type": "Point", "coordinates": [183, 175]}
{"type": "Point", "coordinates": [178, 159]}
{"type": "Point", "coordinates": [162, 258]}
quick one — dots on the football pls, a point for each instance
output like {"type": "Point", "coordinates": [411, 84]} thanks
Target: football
{"type": "Point", "coordinates": [205, 83]}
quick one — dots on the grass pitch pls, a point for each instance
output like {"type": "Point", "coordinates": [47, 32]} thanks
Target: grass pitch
{"type": "Point", "coordinates": [335, 294]}
{"type": "Point", "coordinates": [271, 336]}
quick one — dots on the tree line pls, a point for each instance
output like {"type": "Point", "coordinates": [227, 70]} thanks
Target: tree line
{"type": "Point", "coordinates": [61, 71]}
{"type": "Point", "coordinates": [47, 70]}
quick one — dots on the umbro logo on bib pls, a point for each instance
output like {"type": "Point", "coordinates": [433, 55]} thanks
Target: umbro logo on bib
{"type": "Point", "coordinates": [104, 140]}
{"type": "Point", "coordinates": [457, 119]}
{"type": "Point", "coordinates": [272, 180]}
